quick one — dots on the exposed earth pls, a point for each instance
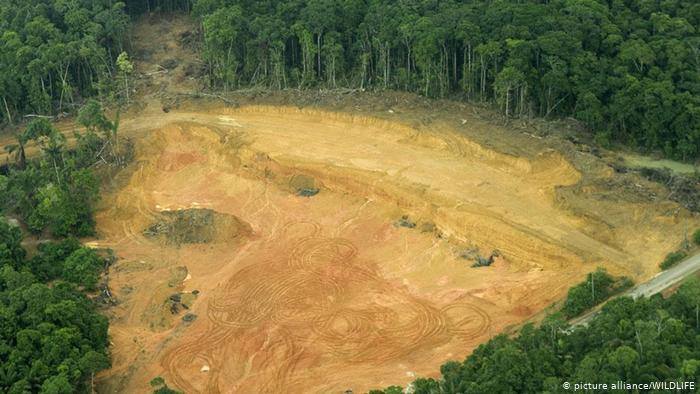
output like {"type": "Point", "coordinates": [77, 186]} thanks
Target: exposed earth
{"type": "Point", "coordinates": [365, 283]}
{"type": "Point", "coordinates": [309, 243]}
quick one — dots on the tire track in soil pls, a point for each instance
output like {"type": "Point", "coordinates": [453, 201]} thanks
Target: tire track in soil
{"type": "Point", "coordinates": [321, 300]}
{"type": "Point", "coordinates": [308, 312]}
{"type": "Point", "coordinates": [184, 355]}
{"type": "Point", "coordinates": [476, 320]}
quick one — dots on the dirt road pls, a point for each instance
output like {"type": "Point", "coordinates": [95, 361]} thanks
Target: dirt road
{"type": "Point", "coordinates": [660, 282]}
{"type": "Point", "coordinates": [665, 279]}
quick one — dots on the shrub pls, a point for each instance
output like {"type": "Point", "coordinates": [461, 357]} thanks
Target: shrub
{"type": "Point", "coordinates": [696, 237]}
{"type": "Point", "coordinates": [672, 259]}
{"type": "Point", "coordinates": [160, 387]}
{"type": "Point", "coordinates": [44, 265]}
{"type": "Point", "coordinates": [598, 287]}
{"type": "Point", "coordinates": [82, 267]}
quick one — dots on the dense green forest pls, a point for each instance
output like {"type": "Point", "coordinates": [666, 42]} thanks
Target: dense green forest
{"type": "Point", "coordinates": [629, 69]}
{"type": "Point", "coordinates": [52, 340]}
{"type": "Point", "coordinates": [634, 341]}
{"type": "Point", "coordinates": [138, 7]}
{"type": "Point", "coordinates": [54, 53]}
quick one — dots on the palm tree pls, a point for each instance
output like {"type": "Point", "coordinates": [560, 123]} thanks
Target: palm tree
{"type": "Point", "coordinates": [53, 147]}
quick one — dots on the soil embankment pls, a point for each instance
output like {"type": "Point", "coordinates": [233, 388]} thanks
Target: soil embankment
{"type": "Point", "coordinates": [362, 283]}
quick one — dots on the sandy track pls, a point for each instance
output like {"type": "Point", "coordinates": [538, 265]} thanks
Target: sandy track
{"type": "Point", "coordinates": [328, 293]}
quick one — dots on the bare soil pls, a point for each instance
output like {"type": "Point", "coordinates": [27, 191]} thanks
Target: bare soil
{"type": "Point", "coordinates": [328, 291]}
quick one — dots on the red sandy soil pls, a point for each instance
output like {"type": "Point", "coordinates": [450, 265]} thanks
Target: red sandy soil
{"type": "Point", "coordinates": [328, 293]}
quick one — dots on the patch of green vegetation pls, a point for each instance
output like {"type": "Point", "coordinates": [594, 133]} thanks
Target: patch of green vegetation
{"type": "Point", "coordinates": [638, 162]}
{"type": "Point", "coordinates": [304, 185]}
{"type": "Point", "coordinates": [195, 226]}
{"type": "Point", "coordinates": [308, 192]}
{"type": "Point", "coordinates": [631, 340]}
{"type": "Point", "coordinates": [52, 340]}
{"type": "Point", "coordinates": [58, 191]}
{"type": "Point", "coordinates": [160, 387]}
{"type": "Point", "coordinates": [696, 237]}
{"type": "Point", "coordinates": [672, 259]}
{"type": "Point", "coordinates": [474, 255]}
{"type": "Point", "coordinates": [178, 301]}
{"type": "Point", "coordinates": [388, 390]}
{"type": "Point", "coordinates": [67, 260]}
{"type": "Point", "coordinates": [177, 275]}
{"type": "Point", "coordinates": [189, 317]}
{"type": "Point", "coordinates": [598, 287]}
{"type": "Point", "coordinates": [53, 53]}
{"type": "Point", "coordinates": [185, 226]}
{"type": "Point", "coordinates": [684, 189]}
{"type": "Point", "coordinates": [82, 267]}
{"type": "Point", "coordinates": [483, 261]}
{"type": "Point", "coordinates": [137, 7]}
{"type": "Point", "coordinates": [405, 221]}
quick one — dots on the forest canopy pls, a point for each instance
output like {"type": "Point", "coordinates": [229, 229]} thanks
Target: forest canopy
{"type": "Point", "coordinates": [52, 339]}
{"type": "Point", "coordinates": [629, 69]}
{"type": "Point", "coordinates": [55, 52]}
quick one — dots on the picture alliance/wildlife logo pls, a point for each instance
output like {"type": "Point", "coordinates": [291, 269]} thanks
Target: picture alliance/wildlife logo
{"type": "Point", "coordinates": [627, 386]}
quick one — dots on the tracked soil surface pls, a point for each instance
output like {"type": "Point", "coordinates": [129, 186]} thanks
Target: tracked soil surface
{"type": "Point", "coordinates": [323, 241]}
{"type": "Point", "coordinates": [361, 284]}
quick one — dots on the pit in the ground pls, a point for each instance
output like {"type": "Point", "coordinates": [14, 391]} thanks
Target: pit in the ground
{"type": "Point", "coordinates": [196, 226]}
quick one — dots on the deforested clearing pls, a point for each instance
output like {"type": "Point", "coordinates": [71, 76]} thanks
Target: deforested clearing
{"type": "Point", "coordinates": [322, 285]}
